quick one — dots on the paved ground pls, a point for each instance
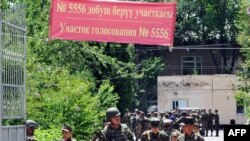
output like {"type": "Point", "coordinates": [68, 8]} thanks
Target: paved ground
{"type": "Point", "coordinates": [214, 138]}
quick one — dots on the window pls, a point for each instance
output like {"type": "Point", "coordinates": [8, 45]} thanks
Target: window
{"type": "Point", "coordinates": [191, 65]}
{"type": "Point", "coordinates": [175, 104]}
{"type": "Point", "coordinates": [239, 108]}
{"type": "Point", "coordinates": [180, 103]}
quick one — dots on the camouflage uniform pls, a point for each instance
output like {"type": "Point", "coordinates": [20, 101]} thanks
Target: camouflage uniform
{"type": "Point", "coordinates": [133, 124]}
{"type": "Point", "coordinates": [122, 133]}
{"type": "Point", "coordinates": [193, 137]}
{"type": "Point", "coordinates": [150, 136]}
{"type": "Point", "coordinates": [127, 118]}
{"type": "Point", "coordinates": [167, 126]}
{"type": "Point", "coordinates": [189, 122]}
{"type": "Point", "coordinates": [143, 124]}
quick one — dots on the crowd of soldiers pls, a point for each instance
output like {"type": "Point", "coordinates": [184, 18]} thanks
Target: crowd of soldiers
{"type": "Point", "coordinates": [153, 126]}
{"type": "Point", "coordinates": [172, 122]}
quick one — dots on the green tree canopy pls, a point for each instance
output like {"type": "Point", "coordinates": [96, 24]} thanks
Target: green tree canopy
{"type": "Point", "coordinates": [243, 92]}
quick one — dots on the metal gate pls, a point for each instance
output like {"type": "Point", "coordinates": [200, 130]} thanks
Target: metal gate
{"type": "Point", "coordinates": [12, 73]}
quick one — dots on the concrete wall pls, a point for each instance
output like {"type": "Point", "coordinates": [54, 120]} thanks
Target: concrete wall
{"type": "Point", "coordinates": [202, 91]}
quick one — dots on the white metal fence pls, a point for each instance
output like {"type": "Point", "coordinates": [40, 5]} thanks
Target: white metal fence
{"type": "Point", "coordinates": [12, 73]}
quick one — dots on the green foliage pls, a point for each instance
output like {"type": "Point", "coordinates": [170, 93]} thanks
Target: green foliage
{"type": "Point", "coordinates": [56, 97]}
{"type": "Point", "coordinates": [244, 26]}
{"type": "Point", "coordinates": [49, 134]}
{"type": "Point", "coordinates": [105, 99]}
{"type": "Point", "coordinates": [243, 95]}
{"type": "Point", "coordinates": [79, 56]}
{"type": "Point", "coordinates": [75, 82]}
{"type": "Point", "coordinates": [206, 21]}
{"type": "Point", "coordinates": [149, 69]}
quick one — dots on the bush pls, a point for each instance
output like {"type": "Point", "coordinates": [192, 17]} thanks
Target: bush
{"type": "Point", "coordinates": [56, 97]}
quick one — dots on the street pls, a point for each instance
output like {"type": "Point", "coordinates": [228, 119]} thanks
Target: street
{"type": "Point", "coordinates": [214, 138]}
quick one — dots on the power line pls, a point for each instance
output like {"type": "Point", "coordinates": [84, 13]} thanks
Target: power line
{"type": "Point", "coordinates": [155, 48]}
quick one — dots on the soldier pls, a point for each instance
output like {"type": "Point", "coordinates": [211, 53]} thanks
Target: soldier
{"type": "Point", "coordinates": [114, 130]}
{"type": "Point", "coordinates": [154, 133]}
{"type": "Point", "coordinates": [162, 117]}
{"type": "Point", "coordinates": [67, 133]}
{"type": "Point", "coordinates": [137, 123]}
{"type": "Point", "coordinates": [210, 121]}
{"type": "Point", "coordinates": [31, 125]}
{"type": "Point", "coordinates": [204, 122]}
{"type": "Point", "coordinates": [133, 123]}
{"type": "Point", "coordinates": [188, 134]}
{"type": "Point", "coordinates": [167, 126]}
{"type": "Point", "coordinates": [216, 122]}
{"type": "Point", "coordinates": [143, 124]}
{"type": "Point", "coordinates": [127, 118]}
{"type": "Point", "coordinates": [196, 128]}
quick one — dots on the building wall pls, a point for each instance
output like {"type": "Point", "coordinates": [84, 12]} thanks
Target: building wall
{"type": "Point", "coordinates": [173, 60]}
{"type": "Point", "coordinates": [202, 91]}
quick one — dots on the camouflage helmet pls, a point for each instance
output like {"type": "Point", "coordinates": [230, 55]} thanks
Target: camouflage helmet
{"type": "Point", "coordinates": [155, 122]}
{"type": "Point", "coordinates": [31, 124]}
{"type": "Point", "coordinates": [112, 112]}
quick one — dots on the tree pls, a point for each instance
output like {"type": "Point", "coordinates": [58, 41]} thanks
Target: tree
{"type": "Point", "coordinates": [242, 93]}
{"type": "Point", "coordinates": [56, 97]}
{"type": "Point", "coordinates": [209, 22]}
{"type": "Point", "coordinates": [106, 61]}
{"type": "Point", "coordinates": [57, 70]}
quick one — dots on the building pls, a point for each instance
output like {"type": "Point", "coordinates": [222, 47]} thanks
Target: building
{"type": "Point", "coordinates": [201, 60]}
{"type": "Point", "coordinates": [202, 91]}
{"type": "Point", "coordinates": [189, 60]}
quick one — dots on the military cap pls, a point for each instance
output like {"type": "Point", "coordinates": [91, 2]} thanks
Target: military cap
{"type": "Point", "coordinates": [67, 128]}
{"type": "Point", "coordinates": [167, 121]}
{"type": "Point", "coordinates": [31, 124]}
{"type": "Point", "coordinates": [155, 122]}
{"type": "Point", "coordinates": [188, 120]}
